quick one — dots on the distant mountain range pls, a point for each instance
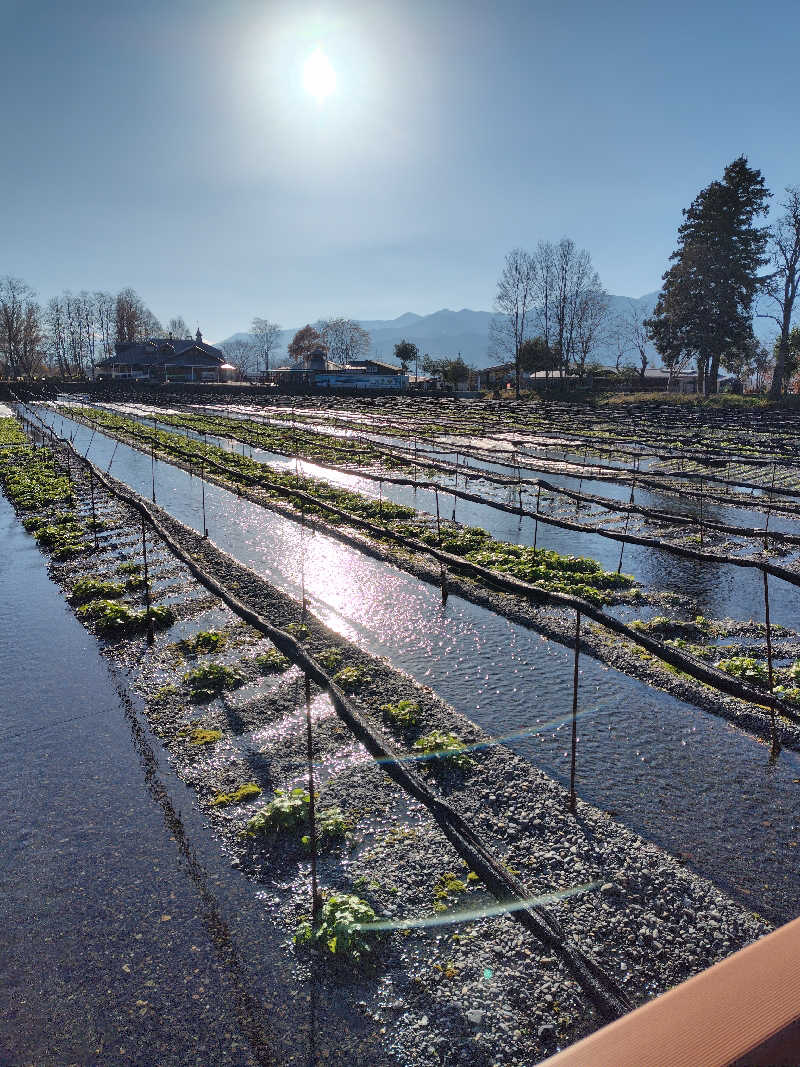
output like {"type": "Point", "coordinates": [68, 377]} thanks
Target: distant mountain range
{"type": "Point", "coordinates": [446, 334]}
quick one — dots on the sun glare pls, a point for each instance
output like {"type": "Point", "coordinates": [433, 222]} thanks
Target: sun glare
{"type": "Point", "coordinates": [319, 77]}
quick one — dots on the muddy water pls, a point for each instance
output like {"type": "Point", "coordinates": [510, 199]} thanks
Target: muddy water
{"type": "Point", "coordinates": [686, 779]}
{"type": "Point", "coordinates": [125, 937]}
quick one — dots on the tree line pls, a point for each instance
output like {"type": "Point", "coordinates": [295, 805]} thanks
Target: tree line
{"type": "Point", "coordinates": [552, 312]}
{"type": "Point", "coordinates": [72, 332]}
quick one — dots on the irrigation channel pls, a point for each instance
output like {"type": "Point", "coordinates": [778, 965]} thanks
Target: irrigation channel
{"type": "Point", "coordinates": [677, 565]}
{"type": "Point", "coordinates": [689, 781]}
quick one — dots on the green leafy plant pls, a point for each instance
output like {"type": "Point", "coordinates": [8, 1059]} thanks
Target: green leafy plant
{"type": "Point", "coordinates": [87, 589]}
{"type": "Point", "coordinates": [210, 679]}
{"type": "Point", "coordinates": [164, 694]}
{"type": "Point", "coordinates": [285, 812]}
{"type": "Point", "coordinates": [272, 662]}
{"type": "Point", "coordinates": [299, 630]}
{"type": "Point", "coordinates": [744, 667]}
{"type": "Point", "coordinates": [404, 712]}
{"type": "Point", "coordinates": [448, 885]}
{"type": "Point", "coordinates": [200, 735]}
{"type": "Point", "coordinates": [340, 927]}
{"type": "Point", "coordinates": [449, 748]}
{"type": "Point", "coordinates": [330, 824]}
{"type": "Point", "coordinates": [204, 641]}
{"type": "Point", "coordinates": [351, 679]}
{"type": "Point", "coordinates": [248, 791]}
{"type": "Point", "coordinates": [113, 619]}
{"type": "Point", "coordinates": [330, 658]}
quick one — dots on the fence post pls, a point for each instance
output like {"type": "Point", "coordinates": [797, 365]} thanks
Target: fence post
{"type": "Point", "coordinates": [572, 801]}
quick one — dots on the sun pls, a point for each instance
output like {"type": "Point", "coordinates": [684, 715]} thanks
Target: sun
{"type": "Point", "coordinates": [319, 77]}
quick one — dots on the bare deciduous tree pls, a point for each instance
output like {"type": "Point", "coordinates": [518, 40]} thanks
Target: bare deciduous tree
{"type": "Point", "coordinates": [16, 296]}
{"type": "Point", "coordinates": [782, 285]}
{"type": "Point", "coordinates": [345, 339]}
{"type": "Point", "coordinates": [56, 335]}
{"type": "Point", "coordinates": [577, 293]}
{"type": "Point", "coordinates": [104, 311]}
{"type": "Point", "coordinates": [591, 321]}
{"type": "Point", "coordinates": [514, 304]}
{"type": "Point", "coordinates": [266, 335]}
{"type": "Point", "coordinates": [133, 321]}
{"type": "Point", "coordinates": [544, 290]}
{"type": "Point", "coordinates": [632, 337]}
{"type": "Point", "coordinates": [242, 354]}
{"type": "Point", "coordinates": [178, 329]}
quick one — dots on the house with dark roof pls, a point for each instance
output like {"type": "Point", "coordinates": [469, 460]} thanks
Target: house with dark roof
{"type": "Point", "coordinates": [166, 359]}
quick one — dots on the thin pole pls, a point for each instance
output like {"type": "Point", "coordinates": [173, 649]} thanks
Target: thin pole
{"type": "Point", "coordinates": [153, 459]}
{"type": "Point", "coordinates": [203, 494]}
{"type": "Point", "coordinates": [150, 634]}
{"type": "Point", "coordinates": [303, 557]}
{"type": "Point", "coordinates": [769, 507]}
{"type": "Point", "coordinates": [773, 725]}
{"type": "Point", "coordinates": [445, 587]}
{"type": "Point", "coordinates": [580, 485]}
{"type": "Point", "coordinates": [315, 901]}
{"type": "Point", "coordinates": [94, 514]}
{"type": "Point", "coordinates": [536, 521]}
{"type": "Point", "coordinates": [628, 516]}
{"type": "Point", "coordinates": [572, 802]}
{"type": "Point", "coordinates": [438, 523]}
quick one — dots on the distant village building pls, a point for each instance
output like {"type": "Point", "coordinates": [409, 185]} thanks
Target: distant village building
{"type": "Point", "coordinates": [315, 369]}
{"type": "Point", "coordinates": [165, 359]}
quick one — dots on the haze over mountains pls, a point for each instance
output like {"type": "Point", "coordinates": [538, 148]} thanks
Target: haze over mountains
{"type": "Point", "coordinates": [446, 334]}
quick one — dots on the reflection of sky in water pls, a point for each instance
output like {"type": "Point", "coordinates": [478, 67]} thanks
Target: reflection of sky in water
{"type": "Point", "coordinates": [688, 780]}
{"type": "Point", "coordinates": [718, 591]}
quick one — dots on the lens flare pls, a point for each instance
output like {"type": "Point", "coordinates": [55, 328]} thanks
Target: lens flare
{"type": "Point", "coordinates": [486, 911]}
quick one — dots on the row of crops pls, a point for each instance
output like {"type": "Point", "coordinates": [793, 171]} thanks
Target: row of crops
{"type": "Point", "coordinates": [220, 685]}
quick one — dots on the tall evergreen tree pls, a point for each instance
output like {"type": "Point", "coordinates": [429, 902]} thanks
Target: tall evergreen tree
{"type": "Point", "coordinates": [705, 307]}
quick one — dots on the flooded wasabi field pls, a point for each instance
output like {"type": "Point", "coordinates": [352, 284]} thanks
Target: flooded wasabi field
{"type": "Point", "coordinates": [158, 890]}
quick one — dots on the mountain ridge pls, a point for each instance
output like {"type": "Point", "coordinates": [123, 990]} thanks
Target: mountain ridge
{"type": "Point", "coordinates": [448, 334]}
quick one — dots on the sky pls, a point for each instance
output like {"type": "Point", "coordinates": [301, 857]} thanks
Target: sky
{"type": "Point", "coordinates": [174, 147]}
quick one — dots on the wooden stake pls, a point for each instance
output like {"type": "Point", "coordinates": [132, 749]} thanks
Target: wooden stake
{"type": "Point", "coordinates": [536, 521]}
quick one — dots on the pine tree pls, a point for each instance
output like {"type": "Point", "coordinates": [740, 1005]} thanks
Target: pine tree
{"type": "Point", "coordinates": [705, 308]}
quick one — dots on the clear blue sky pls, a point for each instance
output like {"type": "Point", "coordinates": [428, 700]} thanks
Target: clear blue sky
{"type": "Point", "coordinates": [172, 146]}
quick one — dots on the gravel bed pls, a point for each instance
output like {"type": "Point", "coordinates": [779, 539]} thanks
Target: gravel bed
{"type": "Point", "coordinates": [479, 990]}
{"type": "Point", "coordinates": [557, 625]}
